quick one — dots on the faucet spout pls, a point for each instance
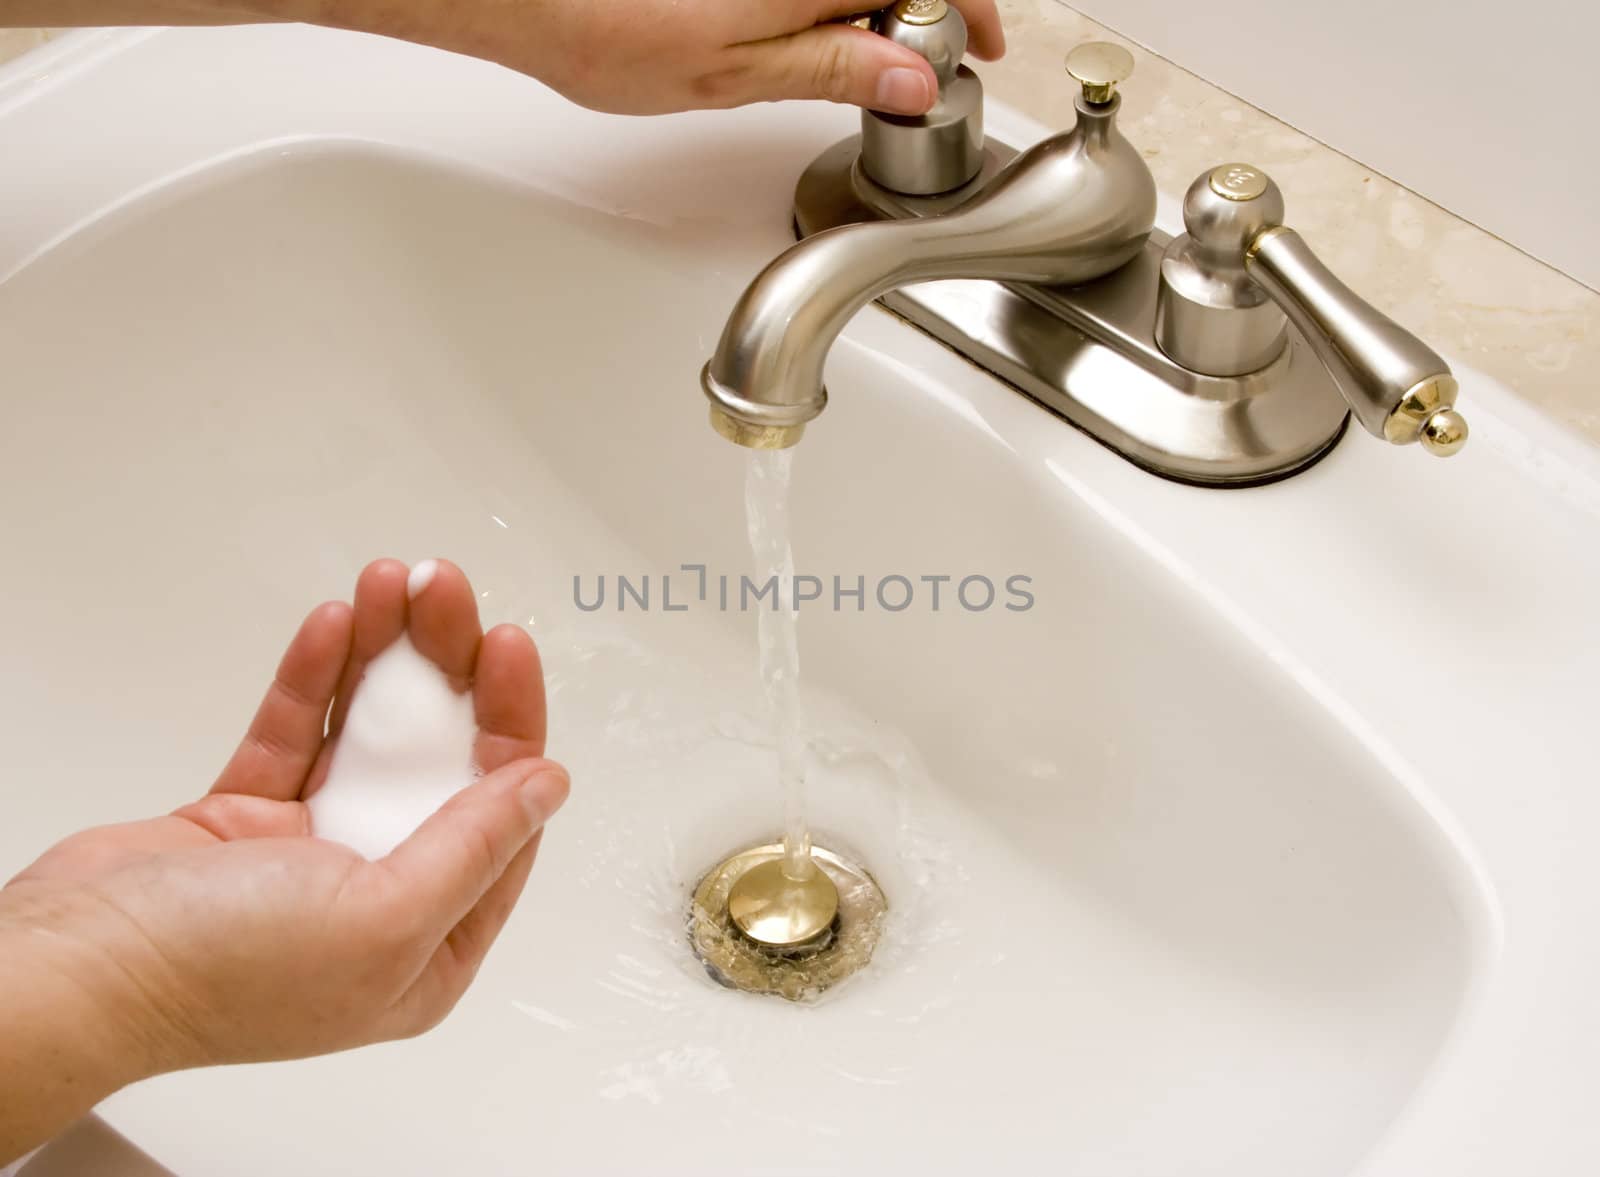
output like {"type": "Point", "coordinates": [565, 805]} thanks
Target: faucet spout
{"type": "Point", "coordinates": [1071, 209]}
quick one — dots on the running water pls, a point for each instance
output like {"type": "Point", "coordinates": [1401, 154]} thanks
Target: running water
{"type": "Point", "coordinates": [766, 504]}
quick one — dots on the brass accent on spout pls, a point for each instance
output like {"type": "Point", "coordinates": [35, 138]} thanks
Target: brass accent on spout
{"type": "Point", "coordinates": [755, 437]}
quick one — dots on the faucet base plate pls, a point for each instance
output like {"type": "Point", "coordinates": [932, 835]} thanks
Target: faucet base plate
{"type": "Point", "coordinates": [1089, 353]}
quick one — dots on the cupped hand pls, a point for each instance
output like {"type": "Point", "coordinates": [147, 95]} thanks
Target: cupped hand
{"type": "Point", "coordinates": [654, 56]}
{"type": "Point", "coordinates": [228, 932]}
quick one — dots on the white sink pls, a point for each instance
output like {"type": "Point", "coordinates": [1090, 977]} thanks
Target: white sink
{"type": "Point", "coordinates": [1252, 848]}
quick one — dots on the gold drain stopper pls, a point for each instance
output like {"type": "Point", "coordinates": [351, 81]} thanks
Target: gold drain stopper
{"type": "Point", "coordinates": [777, 910]}
{"type": "Point", "coordinates": [756, 929]}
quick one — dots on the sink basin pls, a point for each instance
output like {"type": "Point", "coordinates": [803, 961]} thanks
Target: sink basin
{"type": "Point", "coordinates": [1248, 848]}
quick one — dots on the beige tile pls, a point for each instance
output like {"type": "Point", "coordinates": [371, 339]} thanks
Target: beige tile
{"type": "Point", "coordinates": [1465, 291]}
{"type": "Point", "coordinates": [16, 42]}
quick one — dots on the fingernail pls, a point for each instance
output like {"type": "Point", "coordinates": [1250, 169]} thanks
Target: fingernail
{"type": "Point", "coordinates": [421, 577]}
{"type": "Point", "coordinates": [544, 790]}
{"type": "Point", "coordinates": [903, 91]}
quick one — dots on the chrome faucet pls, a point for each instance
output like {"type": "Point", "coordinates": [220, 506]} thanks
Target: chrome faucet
{"type": "Point", "coordinates": [1227, 356]}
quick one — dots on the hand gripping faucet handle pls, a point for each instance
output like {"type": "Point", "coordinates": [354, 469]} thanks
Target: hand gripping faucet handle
{"type": "Point", "coordinates": [924, 155]}
{"type": "Point", "coordinates": [929, 27]}
{"type": "Point", "coordinates": [1397, 386]}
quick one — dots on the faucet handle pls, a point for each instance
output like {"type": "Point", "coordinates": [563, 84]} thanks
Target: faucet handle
{"type": "Point", "coordinates": [1398, 387]}
{"type": "Point", "coordinates": [939, 151]}
{"type": "Point", "coordinates": [1100, 67]}
{"type": "Point", "coordinates": [931, 28]}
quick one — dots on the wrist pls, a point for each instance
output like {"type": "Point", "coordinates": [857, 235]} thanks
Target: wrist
{"type": "Point", "coordinates": [60, 1050]}
{"type": "Point", "coordinates": [361, 16]}
{"type": "Point", "coordinates": [454, 28]}
{"type": "Point", "coordinates": [74, 996]}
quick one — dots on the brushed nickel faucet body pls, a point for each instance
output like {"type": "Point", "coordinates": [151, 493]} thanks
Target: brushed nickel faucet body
{"type": "Point", "coordinates": [1224, 357]}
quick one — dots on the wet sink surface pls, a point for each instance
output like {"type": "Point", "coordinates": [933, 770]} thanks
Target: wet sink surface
{"type": "Point", "coordinates": [1155, 890]}
{"type": "Point", "coordinates": [1163, 900]}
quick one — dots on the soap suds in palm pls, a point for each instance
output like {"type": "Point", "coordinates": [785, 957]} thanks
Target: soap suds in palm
{"type": "Point", "coordinates": [405, 749]}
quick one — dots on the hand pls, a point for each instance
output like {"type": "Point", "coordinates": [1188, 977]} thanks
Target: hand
{"type": "Point", "coordinates": [623, 56]}
{"type": "Point", "coordinates": [654, 56]}
{"type": "Point", "coordinates": [226, 932]}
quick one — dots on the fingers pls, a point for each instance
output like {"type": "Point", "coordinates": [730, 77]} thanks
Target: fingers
{"type": "Point", "coordinates": [284, 756]}
{"type": "Point", "coordinates": [470, 940]}
{"type": "Point", "coordinates": [503, 668]}
{"type": "Point", "coordinates": [380, 618]}
{"type": "Point", "coordinates": [442, 870]}
{"type": "Point", "coordinates": [985, 38]}
{"type": "Point", "coordinates": [456, 961]}
{"type": "Point", "coordinates": [508, 698]}
{"type": "Point", "coordinates": [833, 62]}
{"type": "Point", "coordinates": [285, 736]}
{"type": "Point", "coordinates": [443, 619]}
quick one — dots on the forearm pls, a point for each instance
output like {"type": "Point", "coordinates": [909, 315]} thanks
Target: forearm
{"type": "Point", "coordinates": [61, 14]}
{"type": "Point", "coordinates": [64, 1041]}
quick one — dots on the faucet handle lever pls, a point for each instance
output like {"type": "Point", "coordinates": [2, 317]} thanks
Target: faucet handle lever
{"type": "Point", "coordinates": [1399, 388]}
{"type": "Point", "coordinates": [1225, 282]}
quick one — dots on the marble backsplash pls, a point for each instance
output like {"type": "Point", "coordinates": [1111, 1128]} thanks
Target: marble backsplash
{"type": "Point", "coordinates": [1465, 291]}
{"type": "Point", "coordinates": [15, 42]}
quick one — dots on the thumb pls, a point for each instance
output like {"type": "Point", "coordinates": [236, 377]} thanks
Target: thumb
{"type": "Point", "coordinates": [841, 64]}
{"type": "Point", "coordinates": [455, 856]}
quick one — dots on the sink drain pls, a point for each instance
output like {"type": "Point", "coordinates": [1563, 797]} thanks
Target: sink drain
{"type": "Point", "coordinates": [800, 973]}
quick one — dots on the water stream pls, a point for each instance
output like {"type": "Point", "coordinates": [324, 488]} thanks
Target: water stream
{"type": "Point", "coordinates": [766, 501]}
